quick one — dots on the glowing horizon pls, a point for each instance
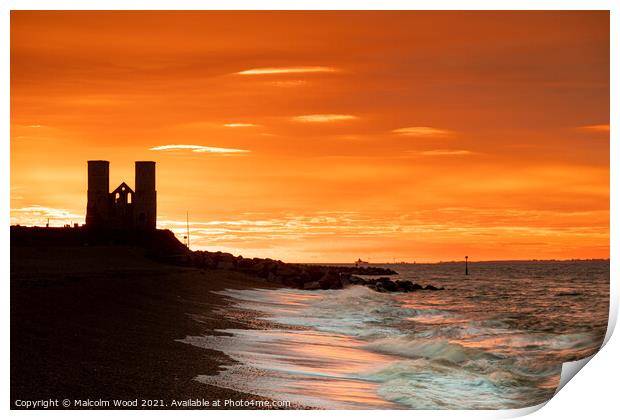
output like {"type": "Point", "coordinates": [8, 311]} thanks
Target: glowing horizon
{"type": "Point", "coordinates": [466, 135]}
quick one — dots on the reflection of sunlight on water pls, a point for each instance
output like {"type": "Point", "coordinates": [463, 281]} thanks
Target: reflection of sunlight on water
{"type": "Point", "coordinates": [318, 353]}
{"type": "Point", "coordinates": [551, 382]}
{"type": "Point", "coordinates": [292, 298]}
{"type": "Point", "coordinates": [346, 392]}
{"type": "Point", "coordinates": [323, 368]}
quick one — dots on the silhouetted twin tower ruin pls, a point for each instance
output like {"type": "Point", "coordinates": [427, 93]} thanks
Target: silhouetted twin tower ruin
{"type": "Point", "coordinates": [122, 208]}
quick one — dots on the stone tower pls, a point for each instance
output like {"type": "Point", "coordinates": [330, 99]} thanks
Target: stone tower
{"type": "Point", "coordinates": [145, 204]}
{"type": "Point", "coordinates": [123, 208]}
{"type": "Point", "coordinates": [98, 207]}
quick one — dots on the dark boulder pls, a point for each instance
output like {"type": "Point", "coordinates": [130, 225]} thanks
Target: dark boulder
{"type": "Point", "coordinates": [287, 269]}
{"type": "Point", "coordinates": [258, 269]}
{"type": "Point", "coordinates": [345, 279]}
{"type": "Point", "coordinates": [405, 285]}
{"type": "Point", "coordinates": [372, 271]}
{"type": "Point", "coordinates": [357, 280]}
{"type": "Point", "coordinates": [330, 280]}
{"type": "Point", "coordinates": [303, 277]}
{"type": "Point", "coordinates": [245, 263]}
{"type": "Point", "coordinates": [315, 273]}
{"type": "Point", "coordinates": [225, 265]}
{"type": "Point", "coordinates": [312, 285]}
{"type": "Point", "coordinates": [270, 267]}
{"type": "Point", "coordinates": [288, 282]}
{"type": "Point", "coordinates": [386, 284]}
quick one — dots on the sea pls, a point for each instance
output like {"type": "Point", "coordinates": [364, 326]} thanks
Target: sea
{"type": "Point", "coordinates": [494, 339]}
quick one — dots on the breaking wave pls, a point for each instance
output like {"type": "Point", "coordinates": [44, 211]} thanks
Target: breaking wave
{"type": "Point", "coordinates": [454, 349]}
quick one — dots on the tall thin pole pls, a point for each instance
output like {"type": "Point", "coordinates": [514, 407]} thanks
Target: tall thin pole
{"type": "Point", "coordinates": [466, 268]}
{"type": "Point", "coordinates": [187, 220]}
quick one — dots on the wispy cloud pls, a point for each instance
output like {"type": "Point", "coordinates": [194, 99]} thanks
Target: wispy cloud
{"type": "Point", "coordinates": [240, 125]}
{"type": "Point", "coordinates": [198, 149]}
{"type": "Point", "coordinates": [600, 128]}
{"type": "Point", "coordinates": [286, 70]}
{"type": "Point", "coordinates": [422, 132]}
{"type": "Point", "coordinates": [446, 152]}
{"type": "Point", "coordinates": [321, 118]}
{"type": "Point", "coordinates": [36, 215]}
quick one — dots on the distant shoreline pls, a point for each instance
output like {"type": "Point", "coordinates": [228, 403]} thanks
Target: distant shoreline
{"type": "Point", "coordinates": [461, 262]}
{"type": "Point", "coordinates": [22, 230]}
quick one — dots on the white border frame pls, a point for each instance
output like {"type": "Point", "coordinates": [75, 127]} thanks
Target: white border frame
{"type": "Point", "coordinates": [593, 394]}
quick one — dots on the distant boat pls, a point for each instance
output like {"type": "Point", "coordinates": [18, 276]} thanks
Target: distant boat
{"type": "Point", "coordinates": [360, 262]}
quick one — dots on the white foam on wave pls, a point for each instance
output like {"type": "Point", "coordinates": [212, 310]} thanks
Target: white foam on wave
{"type": "Point", "coordinates": [356, 311]}
{"type": "Point", "coordinates": [361, 349]}
{"type": "Point", "coordinates": [439, 349]}
{"type": "Point", "coordinates": [426, 385]}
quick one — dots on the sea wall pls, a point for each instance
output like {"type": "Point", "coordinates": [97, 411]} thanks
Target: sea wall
{"type": "Point", "coordinates": [301, 276]}
{"type": "Point", "coordinates": [161, 245]}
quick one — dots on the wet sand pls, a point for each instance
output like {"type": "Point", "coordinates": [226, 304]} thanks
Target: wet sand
{"type": "Point", "coordinates": [101, 323]}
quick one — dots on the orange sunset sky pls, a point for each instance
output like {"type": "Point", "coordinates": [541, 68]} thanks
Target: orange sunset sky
{"type": "Point", "coordinates": [325, 136]}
